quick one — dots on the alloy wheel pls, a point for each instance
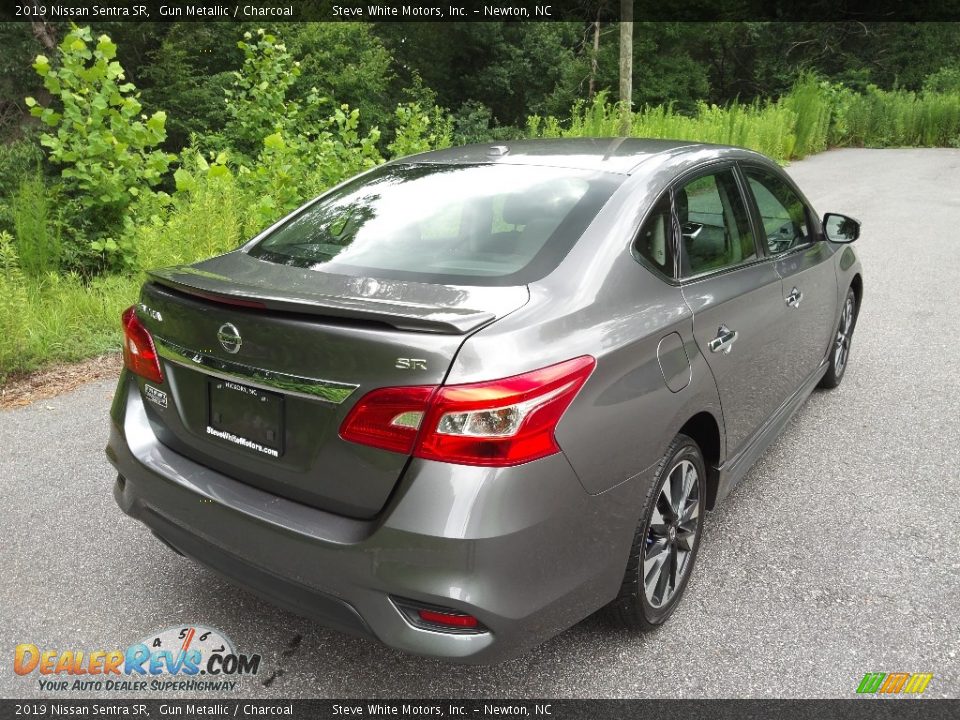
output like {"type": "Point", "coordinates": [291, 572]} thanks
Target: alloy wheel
{"type": "Point", "coordinates": [841, 348]}
{"type": "Point", "coordinates": [671, 534]}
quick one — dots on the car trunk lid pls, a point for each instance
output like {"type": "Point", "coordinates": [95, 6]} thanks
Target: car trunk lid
{"type": "Point", "coordinates": [262, 362]}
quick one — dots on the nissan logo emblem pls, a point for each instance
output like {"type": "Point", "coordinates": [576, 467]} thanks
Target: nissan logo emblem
{"type": "Point", "coordinates": [229, 338]}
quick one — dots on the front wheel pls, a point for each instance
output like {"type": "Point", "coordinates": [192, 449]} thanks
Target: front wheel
{"type": "Point", "coordinates": [840, 350]}
{"type": "Point", "coordinates": [666, 540]}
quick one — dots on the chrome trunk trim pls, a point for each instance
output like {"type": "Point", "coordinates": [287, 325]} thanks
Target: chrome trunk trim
{"type": "Point", "coordinates": [311, 388]}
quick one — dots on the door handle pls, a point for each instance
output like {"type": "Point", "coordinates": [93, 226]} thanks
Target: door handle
{"type": "Point", "coordinates": [724, 340]}
{"type": "Point", "coordinates": [794, 298]}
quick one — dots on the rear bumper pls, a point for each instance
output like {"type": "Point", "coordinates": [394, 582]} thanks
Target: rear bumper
{"type": "Point", "coordinates": [526, 550]}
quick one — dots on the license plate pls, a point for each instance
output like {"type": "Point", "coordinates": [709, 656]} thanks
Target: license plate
{"type": "Point", "coordinates": [246, 417]}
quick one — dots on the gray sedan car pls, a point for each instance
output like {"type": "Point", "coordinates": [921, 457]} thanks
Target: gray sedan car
{"type": "Point", "coordinates": [466, 399]}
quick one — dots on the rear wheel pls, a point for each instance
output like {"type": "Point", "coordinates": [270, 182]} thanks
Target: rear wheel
{"type": "Point", "coordinates": [666, 540]}
{"type": "Point", "coordinates": [840, 350]}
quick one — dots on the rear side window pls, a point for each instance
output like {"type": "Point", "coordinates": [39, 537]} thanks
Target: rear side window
{"type": "Point", "coordinates": [784, 216]}
{"type": "Point", "coordinates": [714, 226]}
{"type": "Point", "coordinates": [492, 224]}
{"type": "Point", "coordinates": [653, 242]}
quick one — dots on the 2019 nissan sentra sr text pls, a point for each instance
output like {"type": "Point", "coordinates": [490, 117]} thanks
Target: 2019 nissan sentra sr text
{"type": "Point", "coordinates": [466, 399]}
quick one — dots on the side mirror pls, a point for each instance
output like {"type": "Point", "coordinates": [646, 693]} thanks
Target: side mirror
{"type": "Point", "coordinates": [840, 228]}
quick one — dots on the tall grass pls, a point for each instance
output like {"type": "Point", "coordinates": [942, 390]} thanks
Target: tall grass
{"type": "Point", "coordinates": [879, 118]}
{"type": "Point", "coordinates": [13, 304]}
{"type": "Point", "coordinates": [810, 103]}
{"type": "Point", "coordinates": [49, 316]}
{"type": "Point", "coordinates": [38, 242]}
{"type": "Point", "coordinates": [56, 317]}
{"type": "Point", "coordinates": [809, 119]}
{"type": "Point", "coordinates": [767, 127]}
{"type": "Point", "coordinates": [214, 217]}
{"type": "Point", "coordinates": [70, 318]}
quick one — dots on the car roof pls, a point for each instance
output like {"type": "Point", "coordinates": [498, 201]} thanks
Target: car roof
{"type": "Point", "coordinates": [617, 155]}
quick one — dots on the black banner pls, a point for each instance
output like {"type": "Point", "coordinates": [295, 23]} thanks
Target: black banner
{"type": "Point", "coordinates": [85, 11]}
{"type": "Point", "coordinates": [855, 709]}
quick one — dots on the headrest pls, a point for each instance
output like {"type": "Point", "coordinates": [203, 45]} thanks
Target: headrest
{"type": "Point", "coordinates": [541, 201]}
{"type": "Point", "coordinates": [683, 205]}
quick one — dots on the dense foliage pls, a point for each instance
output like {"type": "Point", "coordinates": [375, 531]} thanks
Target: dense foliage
{"type": "Point", "coordinates": [131, 146]}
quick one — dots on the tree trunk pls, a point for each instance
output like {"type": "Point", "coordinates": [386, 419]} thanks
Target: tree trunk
{"type": "Point", "coordinates": [596, 50]}
{"type": "Point", "coordinates": [626, 64]}
{"type": "Point", "coordinates": [42, 30]}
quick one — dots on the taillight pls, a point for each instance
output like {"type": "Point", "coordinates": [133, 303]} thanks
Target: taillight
{"type": "Point", "coordinates": [139, 352]}
{"type": "Point", "coordinates": [501, 422]}
{"type": "Point", "coordinates": [388, 418]}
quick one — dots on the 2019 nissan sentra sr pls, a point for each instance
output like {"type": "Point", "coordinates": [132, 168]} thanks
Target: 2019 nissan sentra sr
{"type": "Point", "coordinates": [468, 398]}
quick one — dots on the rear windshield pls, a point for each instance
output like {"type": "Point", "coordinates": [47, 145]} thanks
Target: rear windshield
{"type": "Point", "coordinates": [451, 224]}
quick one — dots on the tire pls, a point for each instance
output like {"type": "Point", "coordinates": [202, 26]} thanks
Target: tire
{"type": "Point", "coordinates": [641, 604]}
{"type": "Point", "coordinates": [842, 340]}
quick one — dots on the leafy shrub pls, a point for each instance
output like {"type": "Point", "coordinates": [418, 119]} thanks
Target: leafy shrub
{"type": "Point", "coordinates": [295, 167]}
{"type": "Point", "coordinates": [472, 123]}
{"type": "Point", "coordinates": [945, 80]}
{"type": "Point", "coordinates": [106, 147]}
{"type": "Point", "coordinates": [295, 149]}
{"type": "Point", "coordinates": [186, 75]}
{"type": "Point", "coordinates": [419, 130]}
{"type": "Point", "coordinates": [17, 160]}
{"type": "Point", "coordinates": [208, 215]}
{"type": "Point", "coordinates": [346, 62]}
{"type": "Point", "coordinates": [257, 104]}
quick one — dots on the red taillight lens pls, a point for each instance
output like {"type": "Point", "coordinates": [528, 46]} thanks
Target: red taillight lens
{"type": "Point", "coordinates": [388, 418]}
{"type": "Point", "coordinates": [448, 619]}
{"type": "Point", "coordinates": [502, 422]}
{"type": "Point", "coordinates": [439, 618]}
{"type": "Point", "coordinates": [139, 352]}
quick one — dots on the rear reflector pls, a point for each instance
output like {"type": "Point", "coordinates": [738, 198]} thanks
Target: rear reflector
{"type": "Point", "coordinates": [448, 619]}
{"type": "Point", "coordinates": [439, 618]}
{"type": "Point", "coordinates": [139, 352]}
{"type": "Point", "coordinates": [497, 423]}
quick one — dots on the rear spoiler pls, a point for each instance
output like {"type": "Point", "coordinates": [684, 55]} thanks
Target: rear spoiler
{"type": "Point", "coordinates": [402, 316]}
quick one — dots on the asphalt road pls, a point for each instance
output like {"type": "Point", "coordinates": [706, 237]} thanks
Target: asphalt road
{"type": "Point", "coordinates": [839, 553]}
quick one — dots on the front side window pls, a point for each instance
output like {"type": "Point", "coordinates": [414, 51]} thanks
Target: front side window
{"type": "Point", "coordinates": [491, 224]}
{"type": "Point", "coordinates": [713, 223]}
{"type": "Point", "coordinates": [784, 216]}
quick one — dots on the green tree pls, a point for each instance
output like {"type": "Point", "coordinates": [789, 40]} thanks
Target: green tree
{"type": "Point", "coordinates": [106, 147]}
{"type": "Point", "coordinates": [348, 64]}
{"type": "Point", "coordinates": [257, 103]}
{"type": "Point", "coordinates": [511, 68]}
{"type": "Point", "coordinates": [16, 77]}
{"type": "Point", "coordinates": [187, 75]}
